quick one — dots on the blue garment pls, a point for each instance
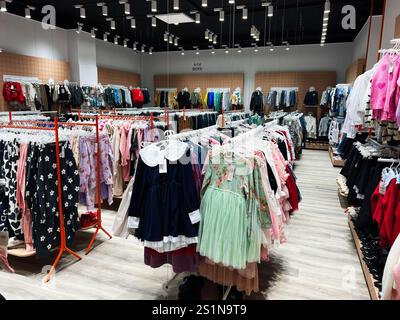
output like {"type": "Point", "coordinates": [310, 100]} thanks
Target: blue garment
{"type": "Point", "coordinates": [210, 100]}
{"type": "Point", "coordinates": [163, 201]}
{"type": "Point", "coordinates": [117, 97]}
{"type": "Point", "coordinates": [292, 98]}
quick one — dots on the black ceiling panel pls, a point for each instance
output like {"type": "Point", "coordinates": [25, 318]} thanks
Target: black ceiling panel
{"type": "Point", "coordinates": [296, 21]}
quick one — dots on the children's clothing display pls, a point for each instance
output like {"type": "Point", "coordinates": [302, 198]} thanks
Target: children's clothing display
{"type": "Point", "coordinates": [257, 102]}
{"type": "Point", "coordinates": [282, 98]}
{"type": "Point", "coordinates": [30, 208]}
{"type": "Point", "coordinates": [311, 125]}
{"type": "Point", "coordinates": [311, 97]}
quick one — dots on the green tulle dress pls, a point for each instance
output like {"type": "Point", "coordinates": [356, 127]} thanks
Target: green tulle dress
{"type": "Point", "coordinates": [233, 212]}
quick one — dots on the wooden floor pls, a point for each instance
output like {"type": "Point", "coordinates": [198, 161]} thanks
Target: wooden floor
{"type": "Point", "coordinates": [319, 260]}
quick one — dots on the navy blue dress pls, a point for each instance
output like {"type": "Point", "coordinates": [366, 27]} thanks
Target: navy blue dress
{"type": "Point", "coordinates": [163, 201]}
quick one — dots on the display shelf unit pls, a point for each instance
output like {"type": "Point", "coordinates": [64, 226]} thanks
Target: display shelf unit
{"type": "Point", "coordinates": [335, 162]}
{"type": "Point", "coordinates": [373, 291]}
{"type": "Point", "coordinates": [317, 145]}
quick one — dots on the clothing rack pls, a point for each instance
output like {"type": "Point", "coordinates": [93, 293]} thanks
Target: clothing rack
{"type": "Point", "coordinates": [284, 89]}
{"type": "Point", "coordinates": [31, 126]}
{"type": "Point", "coordinates": [389, 160]}
{"type": "Point", "coordinates": [99, 225]}
{"type": "Point", "coordinates": [167, 89]}
{"type": "Point", "coordinates": [21, 79]}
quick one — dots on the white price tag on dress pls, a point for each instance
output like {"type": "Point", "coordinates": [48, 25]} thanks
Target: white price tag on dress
{"type": "Point", "coordinates": [163, 166]}
{"type": "Point", "coordinates": [382, 188]}
{"type": "Point", "coordinates": [231, 173]}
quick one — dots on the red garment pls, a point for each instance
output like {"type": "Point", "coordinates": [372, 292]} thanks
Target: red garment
{"type": "Point", "coordinates": [293, 195]}
{"type": "Point", "coordinates": [289, 147]}
{"type": "Point", "coordinates": [12, 92]}
{"type": "Point", "coordinates": [385, 210]}
{"type": "Point", "coordinates": [137, 97]}
{"type": "Point", "coordinates": [182, 260]}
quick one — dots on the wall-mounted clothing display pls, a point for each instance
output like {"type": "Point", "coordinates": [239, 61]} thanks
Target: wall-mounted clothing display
{"type": "Point", "coordinates": [311, 126]}
{"type": "Point", "coordinates": [166, 98]}
{"type": "Point", "coordinates": [311, 98]}
{"type": "Point", "coordinates": [282, 98]}
{"type": "Point", "coordinates": [184, 99]}
{"type": "Point", "coordinates": [324, 125]}
{"type": "Point", "coordinates": [257, 102]}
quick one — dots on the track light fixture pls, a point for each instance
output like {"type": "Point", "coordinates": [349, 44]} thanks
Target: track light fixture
{"type": "Point", "coordinates": [153, 22]}
{"type": "Point", "coordinates": [171, 39]}
{"type": "Point", "coordinates": [166, 36]}
{"type": "Point", "coordinates": [210, 37]}
{"type": "Point", "coordinates": [126, 43]}
{"type": "Point", "coordinates": [93, 32]}
{"type": "Point", "coordinates": [176, 4]}
{"type": "Point", "coordinates": [153, 6]}
{"type": "Point", "coordinates": [116, 39]}
{"type": "Point", "coordinates": [82, 11]}
{"type": "Point", "coordinates": [79, 28]}
{"type": "Point", "coordinates": [143, 48]}
{"type": "Point", "coordinates": [3, 5]}
{"type": "Point", "coordinates": [206, 34]}
{"type": "Point", "coordinates": [135, 46]}
{"type": "Point", "coordinates": [28, 12]}
{"type": "Point", "coordinates": [197, 19]}
{"type": "Point", "coordinates": [204, 3]}
{"type": "Point", "coordinates": [327, 7]}
{"type": "Point", "coordinates": [176, 41]}
{"type": "Point", "coordinates": [150, 50]}
{"type": "Point", "coordinates": [133, 22]}
{"type": "Point", "coordinates": [215, 39]}
{"type": "Point", "coordinates": [270, 11]}
{"type": "Point", "coordinates": [222, 16]}
{"type": "Point", "coordinates": [105, 36]}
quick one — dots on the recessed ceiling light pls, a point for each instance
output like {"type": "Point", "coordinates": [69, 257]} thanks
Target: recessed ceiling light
{"type": "Point", "coordinates": [175, 18]}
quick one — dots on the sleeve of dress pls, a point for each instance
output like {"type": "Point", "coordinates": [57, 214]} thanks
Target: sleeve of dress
{"type": "Point", "coordinates": [139, 189]}
{"type": "Point", "coordinates": [190, 196]}
{"type": "Point", "coordinates": [207, 169]}
{"type": "Point", "coordinates": [261, 198]}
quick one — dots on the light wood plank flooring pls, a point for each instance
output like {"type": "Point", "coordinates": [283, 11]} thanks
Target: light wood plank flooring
{"type": "Point", "coordinates": [319, 260]}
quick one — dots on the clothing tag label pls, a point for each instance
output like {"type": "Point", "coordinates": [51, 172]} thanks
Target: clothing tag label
{"type": "Point", "coordinates": [382, 188]}
{"type": "Point", "coordinates": [12, 87]}
{"type": "Point", "coordinates": [391, 68]}
{"type": "Point", "coordinates": [163, 166]}
{"type": "Point", "coordinates": [95, 147]}
{"type": "Point", "coordinates": [62, 154]}
{"type": "Point", "coordinates": [231, 173]}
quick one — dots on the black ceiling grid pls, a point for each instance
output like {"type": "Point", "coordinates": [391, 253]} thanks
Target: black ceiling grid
{"type": "Point", "coordinates": [303, 21]}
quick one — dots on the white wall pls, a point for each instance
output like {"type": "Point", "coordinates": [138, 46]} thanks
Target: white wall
{"type": "Point", "coordinates": [27, 37]}
{"type": "Point", "coordinates": [360, 42]}
{"type": "Point", "coordinates": [332, 57]}
{"type": "Point", "coordinates": [392, 12]}
{"type": "Point", "coordinates": [120, 58]}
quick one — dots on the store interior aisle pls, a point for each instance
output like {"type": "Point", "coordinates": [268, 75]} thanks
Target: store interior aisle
{"type": "Point", "coordinates": [319, 260]}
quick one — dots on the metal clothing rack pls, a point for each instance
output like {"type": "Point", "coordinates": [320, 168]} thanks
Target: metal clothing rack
{"type": "Point", "coordinates": [284, 89]}
{"type": "Point", "coordinates": [167, 89]}
{"type": "Point", "coordinates": [21, 79]}
{"type": "Point", "coordinates": [32, 125]}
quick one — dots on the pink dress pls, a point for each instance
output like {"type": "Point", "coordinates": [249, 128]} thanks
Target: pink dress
{"type": "Point", "coordinates": [384, 89]}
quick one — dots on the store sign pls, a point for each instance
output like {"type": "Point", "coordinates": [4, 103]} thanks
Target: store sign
{"type": "Point", "coordinates": [49, 19]}
{"type": "Point", "coordinates": [197, 67]}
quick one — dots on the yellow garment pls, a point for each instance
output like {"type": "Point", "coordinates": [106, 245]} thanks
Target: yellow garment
{"type": "Point", "coordinates": [172, 103]}
{"type": "Point", "coordinates": [157, 99]}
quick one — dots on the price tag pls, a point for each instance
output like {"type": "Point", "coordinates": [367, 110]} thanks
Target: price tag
{"type": "Point", "coordinates": [391, 68]}
{"type": "Point", "coordinates": [163, 166]}
{"type": "Point", "coordinates": [382, 188]}
{"type": "Point", "coordinates": [95, 147]}
{"type": "Point", "coordinates": [231, 173]}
